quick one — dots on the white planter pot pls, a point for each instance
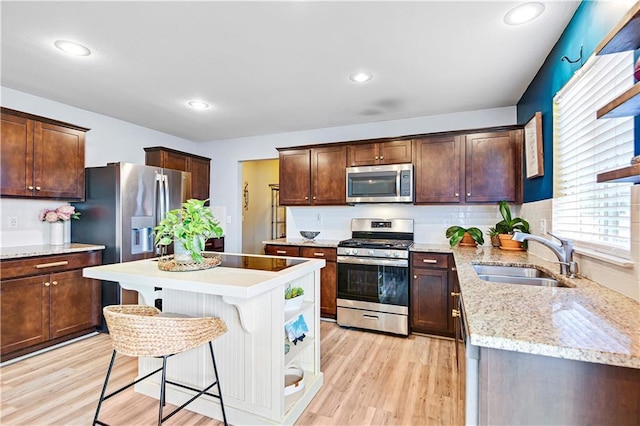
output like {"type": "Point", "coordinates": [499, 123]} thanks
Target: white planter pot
{"type": "Point", "coordinates": [293, 303]}
{"type": "Point", "coordinates": [180, 254]}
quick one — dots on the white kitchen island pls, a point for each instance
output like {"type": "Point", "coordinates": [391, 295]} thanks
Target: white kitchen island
{"type": "Point", "coordinates": [247, 291]}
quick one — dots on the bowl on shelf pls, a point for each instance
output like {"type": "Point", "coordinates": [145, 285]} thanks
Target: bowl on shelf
{"type": "Point", "coordinates": [309, 235]}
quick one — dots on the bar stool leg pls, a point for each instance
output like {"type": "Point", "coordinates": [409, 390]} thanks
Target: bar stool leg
{"type": "Point", "coordinates": [104, 387]}
{"type": "Point", "coordinates": [215, 370]}
{"type": "Point", "coordinates": [162, 389]}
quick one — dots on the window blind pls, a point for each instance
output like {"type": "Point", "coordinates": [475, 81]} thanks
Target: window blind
{"type": "Point", "coordinates": [594, 214]}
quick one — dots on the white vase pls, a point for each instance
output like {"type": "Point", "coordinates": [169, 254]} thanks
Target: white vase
{"type": "Point", "coordinates": [56, 234]}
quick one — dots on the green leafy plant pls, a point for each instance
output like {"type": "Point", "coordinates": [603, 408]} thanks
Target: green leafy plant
{"type": "Point", "coordinates": [192, 225]}
{"type": "Point", "coordinates": [292, 292]}
{"type": "Point", "coordinates": [509, 224]}
{"type": "Point", "coordinates": [456, 233]}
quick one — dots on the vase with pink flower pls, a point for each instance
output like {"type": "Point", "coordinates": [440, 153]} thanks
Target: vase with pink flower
{"type": "Point", "coordinates": [56, 219]}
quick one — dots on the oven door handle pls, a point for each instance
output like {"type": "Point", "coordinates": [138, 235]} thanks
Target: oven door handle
{"type": "Point", "coordinates": [372, 261]}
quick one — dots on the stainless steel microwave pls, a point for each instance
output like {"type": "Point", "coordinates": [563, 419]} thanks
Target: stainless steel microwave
{"type": "Point", "coordinates": [391, 183]}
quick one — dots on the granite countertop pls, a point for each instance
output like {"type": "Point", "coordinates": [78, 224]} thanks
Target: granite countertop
{"type": "Point", "coordinates": [584, 322]}
{"type": "Point", "coordinates": [302, 242]}
{"type": "Point", "coordinates": [7, 253]}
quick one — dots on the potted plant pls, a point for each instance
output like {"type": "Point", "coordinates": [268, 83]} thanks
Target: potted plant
{"type": "Point", "coordinates": [293, 298]}
{"type": "Point", "coordinates": [507, 226]}
{"type": "Point", "coordinates": [493, 234]}
{"type": "Point", "coordinates": [466, 237]}
{"type": "Point", "coordinates": [188, 228]}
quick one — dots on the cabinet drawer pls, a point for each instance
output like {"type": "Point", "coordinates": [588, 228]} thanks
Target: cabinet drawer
{"type": "Point", "coordinates": [431, 260]}
{"type": "Point", "coordinates": [47, 264]}
{"type": "Point", "coordinates": [277, 250]}
{"type": "Point", "coordinates": [328, 254]}
{"type": "Point", "coordinates": [214, 244]}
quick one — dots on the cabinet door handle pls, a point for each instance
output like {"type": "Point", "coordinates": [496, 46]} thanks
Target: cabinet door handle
{"type": "Point", "coordinates": [456, 195]}
{"type": "Point", "coordinates": [455, 293]}
{"type": "Point", "coordinates": [54, 282]}
{"type": "Point", "coordinates": [306, 198]}
{"type": "Point", "coordinates": [376, 157]}
{"type": "Point", "coordinates": [38, 188]}
{"type": "Point", "coordinates": [455, 313]}
{"type": "Point", "coordinates": [382, 157]}
{"type": "Point", "coordinates": [429, 260]}
{"type": "Point", "coordinates": [314, 197]}
{"type": "Point", "coordinates": [468, 194]}
{"type": "Point", "coordinates": [319, 254]}
{"type": "Point", "coordinates": [281, 252]}
{"type": "Point", "coordinates": [30, 188]}
{"type": "Point", "coordinates": [415, 277]}
{"type": "Point", "coordinates": [52, 264]}
{"type": "Point", "coordinates": [47, 284]}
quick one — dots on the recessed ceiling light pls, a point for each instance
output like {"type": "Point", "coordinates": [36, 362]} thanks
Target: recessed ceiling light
{"type": "Point", "coordinates": [523, 13]}
{"type": "Point", "coordinates": [361, 77]}
{"type": "Point", "coordinates": [72, 48]}
{"type": "Point", "coordinates": [198, 104]}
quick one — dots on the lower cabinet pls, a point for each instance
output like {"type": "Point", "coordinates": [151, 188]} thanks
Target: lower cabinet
{"type": "Point", "coordinates": [328, 274]}
{"type": "Point", "coordinates": [46, 308]}
{"type": "Point", "coordinates": [214, 244]}
{"type": "Point", "coordinates": [432, 294]}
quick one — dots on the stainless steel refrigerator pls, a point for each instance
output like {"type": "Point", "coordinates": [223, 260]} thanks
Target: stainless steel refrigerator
{"type": "Point", "coordinates": [123, 203]}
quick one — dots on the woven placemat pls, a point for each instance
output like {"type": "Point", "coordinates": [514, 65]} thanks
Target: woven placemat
{"type": "Point", "coordinates": [168, 263]}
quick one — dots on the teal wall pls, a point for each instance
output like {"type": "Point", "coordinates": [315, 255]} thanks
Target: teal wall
{"type": "Point", "coordinates": [591, 22]}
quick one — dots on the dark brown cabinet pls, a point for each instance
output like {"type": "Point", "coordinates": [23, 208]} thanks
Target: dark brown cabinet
{"type": "Point", "coordinates": [473, 168]}
{"type": "Point", "coordinates": [313, 176]}
{"type": "Point", "coordinates": [46, 300]}
{"type": "Point", "coordinates": [40, 157]}
{"type": "Point", "coordinates": [328, 278]}
{"type": "Point", "coordinates": [370, 154]}
{"type": "Point", "coordinates": [214, 244]}
{"type": "Point", "coordinates": [437, 169]}
{"type": "Point", "coordinates": [328, 274]}
{"type": "Point", "coordinates": [493, 167]}
{"type": "Point", "coordinates": [199, 167]}
{"type": "Point", "coordinates": [431, 294]}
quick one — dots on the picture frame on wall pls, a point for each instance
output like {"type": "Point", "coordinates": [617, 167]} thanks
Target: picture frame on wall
{"type": "Point", "coordinates": [533, 147]}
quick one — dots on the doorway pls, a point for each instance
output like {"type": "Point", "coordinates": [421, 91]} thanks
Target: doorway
{"type": "Point", "coordinates": [256, 199]}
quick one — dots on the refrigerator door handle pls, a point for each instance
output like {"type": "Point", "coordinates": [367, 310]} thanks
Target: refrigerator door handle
{"type": "Point", "coordinates": [159, 207]}
{"type": "Point", "coordinates": [167, 197]}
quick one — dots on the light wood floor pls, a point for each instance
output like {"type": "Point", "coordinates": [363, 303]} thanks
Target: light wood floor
{"type": "Point", "coordinates": [370, 379]}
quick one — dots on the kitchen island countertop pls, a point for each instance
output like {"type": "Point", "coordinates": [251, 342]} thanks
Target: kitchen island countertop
{"type": "Point", "coordinates": [20, 252]}
{"type": "Point", "coordinates": [583, 322]}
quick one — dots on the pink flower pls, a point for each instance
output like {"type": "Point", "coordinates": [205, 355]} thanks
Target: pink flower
{"type": "Point", "coordinates": [62, 213]}
{"type": "Point", "coordinates": [51, 216]}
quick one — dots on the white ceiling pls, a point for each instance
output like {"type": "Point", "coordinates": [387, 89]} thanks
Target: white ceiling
{"type": "Point", "coordinates": [272, 67]}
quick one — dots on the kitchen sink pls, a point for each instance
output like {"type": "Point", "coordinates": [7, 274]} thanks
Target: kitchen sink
{"type": "Point", "coordinates": [516, 275]}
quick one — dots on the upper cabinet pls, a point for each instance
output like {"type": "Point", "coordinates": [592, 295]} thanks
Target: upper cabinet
{"type": "Point", "coordinates": [371, 154]}
{"type": "Point", "coordinates": [623, 37]}
{"type": "Point", "coordinates": [473, 168]}
{"type": "Point", "coordinates": [40, 157]}
{"type": "Point", "coordinates": [313, 176]}
{"type": "Point", "coordinates": [199, 167]}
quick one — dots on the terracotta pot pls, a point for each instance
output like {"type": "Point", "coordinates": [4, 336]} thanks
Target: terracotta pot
{"type": "Point", "coordinates": [468, 241]}
{"type": "Point", "coordinates": [506, 243]}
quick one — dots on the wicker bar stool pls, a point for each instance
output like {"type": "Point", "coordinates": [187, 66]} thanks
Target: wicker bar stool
{"type": "Point", "coordinates": [142, 331]}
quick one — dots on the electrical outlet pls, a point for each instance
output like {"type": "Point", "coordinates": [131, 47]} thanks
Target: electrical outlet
{"type": "Point", "coordinates": [229, 219]}
{"type": "Point", "coordinates": [13, 222]}
{"type": "Point", "coordinates": [319, 219]}
{"type": "Point", "coordinates": [543, 226]}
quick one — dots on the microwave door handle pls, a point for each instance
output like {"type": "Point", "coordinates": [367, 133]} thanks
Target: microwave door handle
{"type": "Point", "coordinates": [398, 180]}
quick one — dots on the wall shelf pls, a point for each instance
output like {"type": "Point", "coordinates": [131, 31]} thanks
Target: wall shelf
{"type": "Point", "coordinates": [625, 174]}
{"type": "Point", "coordinates": [625, 105]}
{"type": "Point", "coordinates": [624, 36]}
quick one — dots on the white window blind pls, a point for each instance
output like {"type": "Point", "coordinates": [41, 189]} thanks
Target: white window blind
{"type": "Point", "coordinates": [595, 214]}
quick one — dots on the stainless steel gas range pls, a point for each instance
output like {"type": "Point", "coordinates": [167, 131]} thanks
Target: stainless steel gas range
{"type": "Point", "coordinates": [373, 275]}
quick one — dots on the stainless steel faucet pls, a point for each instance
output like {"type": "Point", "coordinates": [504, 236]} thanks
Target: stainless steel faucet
{"type": "Point", "coordinates": [563, 250]}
